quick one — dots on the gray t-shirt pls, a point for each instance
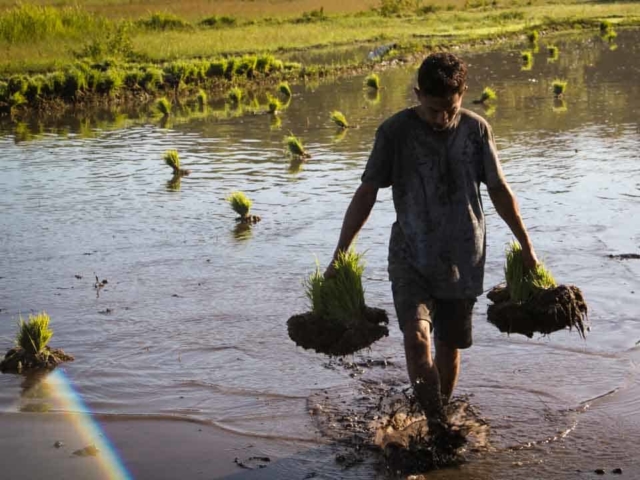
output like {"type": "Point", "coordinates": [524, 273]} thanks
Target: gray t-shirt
{"type": "Point", "coordinates": [439, 233]}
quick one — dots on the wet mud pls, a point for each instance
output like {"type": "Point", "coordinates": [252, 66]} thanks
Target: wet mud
{"type": "Point", "coordinates": [18, 360]}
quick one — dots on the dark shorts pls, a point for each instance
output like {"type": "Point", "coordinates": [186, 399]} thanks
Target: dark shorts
{"type": "Point", "coordinates": [450, 319]}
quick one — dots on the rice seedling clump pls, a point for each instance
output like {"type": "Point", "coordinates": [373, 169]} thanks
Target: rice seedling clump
{"type": "Point", "coordinates": [372, 81]}
{"type": "Point", "coordinates": [235, 95]}
{"type": "Point", "coordinates": [339, 322]}
{"type": "Point", "coordinates": [487, 95]}
{"type": "Point", "coordinates": [532, 302]}
{"type": "Point", "coordinates": [172, 159]}
{"type": "Point", "coordinates": [339, 119]}
{"type": "Point", "coordinates": [274, 105]}
{"type": "Point", "coordinates": [31, 350]}
{"type": "Point", "coordinates": [295, 147]}
{"type": "Point", "coordinates": [284, 89]}
{"type": "Point", "coordinates": [559, 87]}
{"type": "Point", "coordinates": [241, 204]}
{"type": "Point", "coordinates": [163, 106]}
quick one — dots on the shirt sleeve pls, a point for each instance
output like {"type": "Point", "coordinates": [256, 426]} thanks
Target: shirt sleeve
{"type": "Point", "coordinates": [379, 167]}
{"type": "Point", "coordinates": [493, 176]}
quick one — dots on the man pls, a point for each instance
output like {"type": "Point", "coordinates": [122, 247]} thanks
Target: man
{"type": "Point", "coordinates": [434, 156]}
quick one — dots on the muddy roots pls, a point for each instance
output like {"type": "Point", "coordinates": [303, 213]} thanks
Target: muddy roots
{"type": "Point", "coordinates": [545, 312]}
{"type": "Point", "coordinates": [18, 360]}
{"type": "Point", "coordinates": [338, 338]}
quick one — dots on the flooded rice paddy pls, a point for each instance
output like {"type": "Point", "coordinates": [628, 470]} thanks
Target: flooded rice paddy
{"type": "Point", "coordinates": [192, 321]}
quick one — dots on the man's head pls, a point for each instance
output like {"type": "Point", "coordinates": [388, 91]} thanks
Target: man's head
{"type": "Point", "coordinates": [442, 81]}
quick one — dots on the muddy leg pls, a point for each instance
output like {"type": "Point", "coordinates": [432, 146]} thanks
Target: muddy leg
{"type": "Point", "coordinates": [423, 372]}
{"type": "Point", "coordinates": [448, 365]}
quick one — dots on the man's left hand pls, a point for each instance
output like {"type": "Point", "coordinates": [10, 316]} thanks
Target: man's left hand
{"type": "Point", "coordinates": [529, 258]}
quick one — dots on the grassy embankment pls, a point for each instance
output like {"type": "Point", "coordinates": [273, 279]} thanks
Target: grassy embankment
{"type": "Point", "coordinates": [75, 55]}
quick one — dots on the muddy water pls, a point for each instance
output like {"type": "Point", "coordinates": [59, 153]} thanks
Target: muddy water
{"type": "Point", "coordinates": [192, 320]}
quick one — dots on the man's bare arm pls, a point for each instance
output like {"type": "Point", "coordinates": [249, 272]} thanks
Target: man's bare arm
{"type": "Point", "coordinates": [506, 205]}
{"type": "Point", "coordinates": [357, 214]}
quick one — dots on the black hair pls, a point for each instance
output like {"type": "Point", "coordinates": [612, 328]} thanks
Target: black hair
{"type": "Point", "coordinates": [442, 75]}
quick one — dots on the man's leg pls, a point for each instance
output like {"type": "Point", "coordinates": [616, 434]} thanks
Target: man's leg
{"type": "Point", "coordinates": [422, 370]}
{"type": "Point", "coordinates": [448, 365]}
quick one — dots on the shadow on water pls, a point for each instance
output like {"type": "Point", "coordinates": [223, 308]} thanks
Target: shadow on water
{"type": "Point", "coordinates": [199, 304]}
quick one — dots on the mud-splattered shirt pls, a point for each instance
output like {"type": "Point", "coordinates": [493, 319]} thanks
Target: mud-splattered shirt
{"type": "Point", "coordinates": [435, 176]}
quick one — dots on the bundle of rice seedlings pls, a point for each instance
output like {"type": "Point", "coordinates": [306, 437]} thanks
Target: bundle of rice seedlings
{"type": "Point", "coordinates": [487, 94]}
{"type": "Point", "coordinates": [339, 119]}
{"type": "Point", "coordinates": [274, 105]}
{"type": "Point", "coordinates": [559, 87]}
{"type": "Point", "coordinates": [532, 302]}
{"type": "Point", "coordinates": [163, 106]}
{"type": "Point", "coordinates": [533, 36]}
{"type": "Point", "coordinates": [241, 204]}
{"type": "Point", "coordinates": [31, 350]}
{"type": "Point", "coordinates": [527, 56]}
{"type": "Point", "coordinates": [284, 89]}
{"type": "Point", "coordinates": [522, 285]}
{"type": "Point", "coordinates": [339, 322]}
{"type": "Point", "coordinates": [34, 335]}
{"type": "Point", "coordinates": [605, 26]}
{"type": "Point", "coordinates": [553, 52]}
{"type": "Point", "coordinates": [295, 146]}
{"type": "Point", "coordinates": [201, 98]}
{"type": "Point", "coordinates": [372, 81]}
{"type": "Point", "coordinates": [235, 95]}
{"type": "Point", "coordinates": [172, 159]}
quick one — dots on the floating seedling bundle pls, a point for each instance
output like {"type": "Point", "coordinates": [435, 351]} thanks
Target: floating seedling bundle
{"type": "Point", "coordinates": [531, 302]}
{"type": "Point", "coordinates": [241, 204]}
{"type": "Point", "coordinates": [31, 351]}
{"type": "Point", "coordinates": [339, 322]}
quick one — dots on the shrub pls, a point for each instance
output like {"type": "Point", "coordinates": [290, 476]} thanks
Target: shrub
{"type": "Point", "coordinates": [34, 335]}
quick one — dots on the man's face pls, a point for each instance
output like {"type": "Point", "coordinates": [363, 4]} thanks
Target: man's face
{"type": "Point", "coordinates": [439, 112]}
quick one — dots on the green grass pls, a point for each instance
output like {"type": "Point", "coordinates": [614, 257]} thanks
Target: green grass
{"type": "Point", "coordinates": [523, 285]}
{"type": "Point", "coordinates": [43, 37]}
{"type": "Point", "coordinates": [340, 298]}
{"type": "Point", "coordinates": [372, 81]}
{"type": "Point", "coordinates": [240, 203]}
{"type": "Point", "coordinates": [294, 145]}
{"type": "Point", "coordinates": [34, 334]}
{"type": "Point", "coordinates": [559, 87]}
{"type": "Point", "coordinates": [339, 119]}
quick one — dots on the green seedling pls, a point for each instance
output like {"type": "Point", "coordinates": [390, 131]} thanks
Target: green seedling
{"type": "Point", "coordinates": [372, 81]}
{"type": "Point", "coordinates": [34, 334]}
{"type": "Point", "coordinates": [240, 203]}
{"type": "Point", "coordinates": [339, 119]}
